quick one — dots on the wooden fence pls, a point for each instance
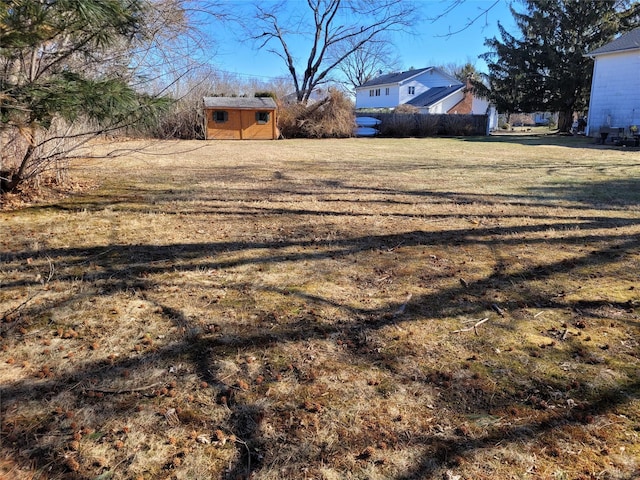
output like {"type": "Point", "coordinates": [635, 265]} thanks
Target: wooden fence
{"type": "Point", "coordinates": [426, 125]}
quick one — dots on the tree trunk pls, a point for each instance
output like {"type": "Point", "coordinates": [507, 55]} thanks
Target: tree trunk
{"type": "Point", "coordinates": [565, 120]}
{"type": "Point", "coordinates": [18, 177]}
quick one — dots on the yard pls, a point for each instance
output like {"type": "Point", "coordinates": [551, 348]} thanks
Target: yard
{"type": "Point", "coordinates": [331, 309]}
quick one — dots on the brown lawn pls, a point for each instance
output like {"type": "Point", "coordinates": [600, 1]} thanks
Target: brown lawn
{"type": "Point", "coordinates": [337, 309]}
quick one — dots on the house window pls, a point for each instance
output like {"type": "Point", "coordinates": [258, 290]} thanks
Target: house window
{"type": "Point", "coordinates": [412, 90]}
{"type": "Point", "coordinates": [386, 91]}
{"type": "Point", "coordinates": [371, 92]}
{"type": "Point", "coordinates": [377, 92]}
{"type": "Point", "coordinates": [262, 117]}
{"type": "Point", "coordinates": [220, 116]}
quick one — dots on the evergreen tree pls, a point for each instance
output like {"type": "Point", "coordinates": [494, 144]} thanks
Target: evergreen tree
{"type": "Point", "coordinates": [64, 60]}
{"type": "Point", "coordinates": [544, 67]}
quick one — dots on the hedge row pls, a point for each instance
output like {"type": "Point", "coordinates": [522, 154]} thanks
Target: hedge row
{"type": "Point", "coordinates": [428, 125]}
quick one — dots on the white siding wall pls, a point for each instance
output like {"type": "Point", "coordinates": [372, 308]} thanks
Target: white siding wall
{"type": "Point", "coordinates": [615, 91]}
{"type": "Point", "coordinates": [365, 100]}
{"type": "Point", "coordinates": [422, 83]}
{"type": "Point", "coordinates": [446, 104]}
{"type": "Point", "coordinates": [480, 106]}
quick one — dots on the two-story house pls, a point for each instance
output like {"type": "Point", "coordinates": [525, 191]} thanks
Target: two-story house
{"type": "Point", "coordinates": [430, 90]}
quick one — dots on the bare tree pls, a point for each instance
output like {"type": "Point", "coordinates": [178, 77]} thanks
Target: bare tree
{"type": "Point", "coordinates": [329, 26]}
{"type": "Point", "coordinates": [366, 61]}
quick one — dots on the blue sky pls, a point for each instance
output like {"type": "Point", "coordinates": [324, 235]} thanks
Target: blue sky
{"type": "Point", "coordinates": [428, 46]}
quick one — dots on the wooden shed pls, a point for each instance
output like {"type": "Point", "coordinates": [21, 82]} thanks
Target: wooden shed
{"type": "Point", "coordinates": [239, 118]}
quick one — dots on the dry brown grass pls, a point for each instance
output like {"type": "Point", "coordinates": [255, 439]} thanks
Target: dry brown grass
{"type": "Point", "coordinates": [284, 310]}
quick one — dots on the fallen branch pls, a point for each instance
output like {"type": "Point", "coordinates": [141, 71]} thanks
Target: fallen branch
{"type": "Point", "coordinates": [126, 390]}
{"type": "Point", "coordinates": [6, 315]}
{"type": "Point", "coordinates": [474, 327]}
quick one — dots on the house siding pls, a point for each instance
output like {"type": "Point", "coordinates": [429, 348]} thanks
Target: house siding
{"type": "Point", "coordinates": [422, 83]}
{"type": "Point", "coordinates": [615, 91]}
{"type": "Point", "coordinates": [444, 105]}
{"type": "Point", "coordinates": [480, 106]}
{"type": "Point", "coordinates": [365, 100]}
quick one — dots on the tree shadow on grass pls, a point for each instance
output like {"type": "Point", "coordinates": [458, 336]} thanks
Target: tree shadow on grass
{"type": "Point", "coordinates": [610, 194]}
{"type": "Point", "coordinates": [551, 139]}
{"type": "Point", "coordinates": [123, 268]}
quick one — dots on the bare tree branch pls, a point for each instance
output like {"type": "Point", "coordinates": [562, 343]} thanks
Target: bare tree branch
{"type": "Point", "coordinates": [335, 30]}
{"type": "Point", "coordinates": [453, 5]}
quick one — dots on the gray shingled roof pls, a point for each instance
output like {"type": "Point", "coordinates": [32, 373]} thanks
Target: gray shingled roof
{"type": "Point", "coordinates": [434, 95]}
{"type": "Point", "coordinates": [628, 41]}
{"type": "Point", "coordinates": [395, 77]}
{"type": "Point", "coordinates": [248, 103]}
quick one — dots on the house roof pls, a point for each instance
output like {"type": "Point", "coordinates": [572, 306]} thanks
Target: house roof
{"type": "Point", "coordinates": [434, 95]}
{"type": "Point", "coordinates": [244, 103]}
{"type": "Point", "coordinates": [627, 41]}
{"type": "Point", "coordinates": [395, 77]}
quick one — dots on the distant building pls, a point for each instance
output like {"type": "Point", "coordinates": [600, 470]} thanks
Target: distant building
{"type": "Point", "coordinates": [429, 89]}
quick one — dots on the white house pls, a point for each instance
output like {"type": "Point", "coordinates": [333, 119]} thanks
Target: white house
{"type": "Point", "coordinates": [429, 89]}
{"type": "Point", "coordinates": [615, 87]}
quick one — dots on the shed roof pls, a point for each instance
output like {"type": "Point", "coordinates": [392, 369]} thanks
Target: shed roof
{"type": "Point", "coordinates": [244, 103]}
{"type": "Point", "coordinates": [434, 95]}
{"type": "Point", "coordinates": [627, 41]}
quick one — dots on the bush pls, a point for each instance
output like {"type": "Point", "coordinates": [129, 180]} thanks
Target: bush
{"type": "Point", "coordinates": [332, 117]}
{"type": "Point", "coordinates": [185, 121]}
{"type": "Point", "coordinates": [457, 125]}
{"type": "Point", "coordinates": [427, 125]}
{"type": "Point", "coordinates": [405, 108]}
{"type": "Point", "coordinates": [398, 125]}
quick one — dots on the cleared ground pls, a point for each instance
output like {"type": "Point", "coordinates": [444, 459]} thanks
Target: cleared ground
{"type": "Point", "coordinates": [338, 309]}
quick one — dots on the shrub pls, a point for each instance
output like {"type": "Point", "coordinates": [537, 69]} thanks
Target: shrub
{"type": "Point", "coordinates": [398, 125]}
{"type": "Point", "coordinates": [332, 117]}
{"type": "Point", "coordinates": [457, 125]}
{"type": "Point", "coordinates": [405, 108]}
{"type": "Point", "coordinates": [427, 125]}
{"type": "Point", "coordinates": [184, 121]}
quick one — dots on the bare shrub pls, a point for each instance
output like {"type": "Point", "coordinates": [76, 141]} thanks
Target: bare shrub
{"type": "Point", "coordinates": [405, 108]}
{"type": "Point", "coordinates": [427, 125]}
{"type": "Point", "coordinates": [457, 125]}
{"type": "Point", "coordinates": [332, 117]}
{"type": "Point", "coordinates": [13, 145]}
{"type": "Point", "coordinates": [398, 125]}
{"type": "Point", "coordinates": [185, 120]}
{"type": "Point", "coordinates": [453, 125]}
{"type": "Point", "coordinates": [290, 119]}
{"type": "Point", "coordinates": [50, 152]}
